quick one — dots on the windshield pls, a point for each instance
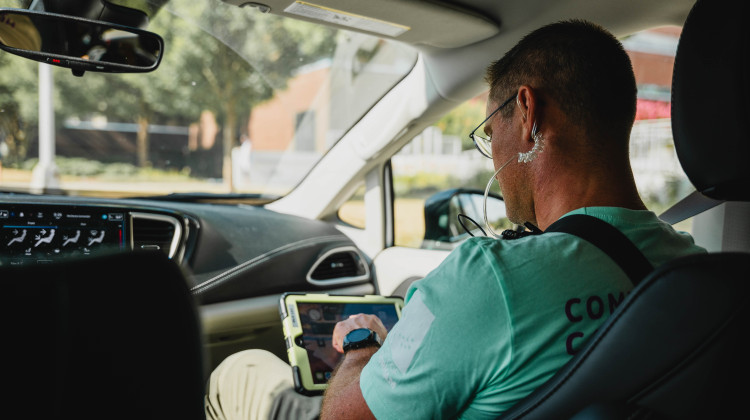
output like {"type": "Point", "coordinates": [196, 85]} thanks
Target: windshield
{"type": "Point", "coordinates": [242, 102]}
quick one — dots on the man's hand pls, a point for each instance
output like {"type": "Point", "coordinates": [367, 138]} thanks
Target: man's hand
{"type": "Point", "coordinates": [354, 322]}
{"type": "Point", "coordinates": [343, 398]}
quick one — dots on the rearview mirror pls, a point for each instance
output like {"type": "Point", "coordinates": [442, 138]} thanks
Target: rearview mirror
{"type": "Point", "coordinates": [77, 43]}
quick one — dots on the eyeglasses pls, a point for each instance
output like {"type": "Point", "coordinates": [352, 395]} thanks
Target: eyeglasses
{"type": "Point", "coordinates": [484, 143]}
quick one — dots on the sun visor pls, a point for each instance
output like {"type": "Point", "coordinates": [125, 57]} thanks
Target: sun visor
{"type": "Point", "coordinates": [413, 22]}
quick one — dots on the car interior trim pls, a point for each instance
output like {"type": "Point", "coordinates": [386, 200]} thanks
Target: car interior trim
{"type": "Point", "coordinates": [358, 259]}
{"type": "Point", "coordinates": [263, 310]}
{"type": "Point", "coordinates": [250, 264]}
{"type": "Point", "coordinates": [176, 238]}
{"type": "Point", "coordinates": [426, 20]}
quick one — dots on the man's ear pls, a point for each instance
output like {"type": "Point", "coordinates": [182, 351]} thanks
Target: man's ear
{"type": "Point", "coordinates": [527, 102]}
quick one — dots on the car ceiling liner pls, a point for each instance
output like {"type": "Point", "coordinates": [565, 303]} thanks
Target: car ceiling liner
{"type": "Point", "coordinates": [414, 22]}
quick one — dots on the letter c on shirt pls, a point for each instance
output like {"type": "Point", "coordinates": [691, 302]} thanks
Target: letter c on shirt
{"type": "Point", "coordinates": [569, 342]}
{"type": "Point", "coordinates": [568, 310]}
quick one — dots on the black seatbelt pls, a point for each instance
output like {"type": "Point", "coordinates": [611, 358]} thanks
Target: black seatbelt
{"type": "Point", "coordinates": [610, 240]}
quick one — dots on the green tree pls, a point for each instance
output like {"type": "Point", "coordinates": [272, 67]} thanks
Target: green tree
{"type": "Point", "coordinates": [243, 62]}
{"type": "Point", "coordinates": [139, 97]}
{"type": "Point", "coordinates": [18, 111]}
{"type": "Point", "coordinates": [462, 119]}
{"type": "Point", "coordinates": [218, 58]}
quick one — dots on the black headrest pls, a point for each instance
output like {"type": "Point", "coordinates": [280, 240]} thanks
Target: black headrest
{"type": "Point", "coordinates": [710, 97]}
{"type": "Point", "coordinates": [114, 336]}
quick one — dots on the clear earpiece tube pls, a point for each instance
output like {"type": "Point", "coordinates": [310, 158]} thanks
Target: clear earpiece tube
{"type": "Point", "coordinates": [487, 192]}
{"type": "Point", "coordinates": [521, 158]}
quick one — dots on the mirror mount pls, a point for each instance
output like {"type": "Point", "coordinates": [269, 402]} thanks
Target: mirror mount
{"type": "Point", "coordinates": [79, 44]}
{"type": "Point", "coordinates": [114, 13]}
{"type": "Point", "coordinates": [132, 13]}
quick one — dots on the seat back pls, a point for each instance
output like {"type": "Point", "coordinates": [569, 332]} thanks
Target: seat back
{"type": "Point", "coordinates": [671, 349]}
{"type": "Point", "coordinates": [107, 337]}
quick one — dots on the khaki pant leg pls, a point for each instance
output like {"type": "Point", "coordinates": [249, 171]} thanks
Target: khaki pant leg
{"type": "Point", "coordinates": [245, 385]}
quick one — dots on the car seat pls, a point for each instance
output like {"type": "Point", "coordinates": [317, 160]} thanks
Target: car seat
{"type": "Point", "coordinates": [674, 347]}
{"type": "Point", "coordinates": [110, 337]}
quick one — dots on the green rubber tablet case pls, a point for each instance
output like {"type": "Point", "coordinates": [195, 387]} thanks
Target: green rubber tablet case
{"type": "Point", "coordinates": [308, 321]}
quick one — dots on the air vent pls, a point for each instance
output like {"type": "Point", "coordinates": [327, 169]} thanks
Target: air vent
{"type": "Point", "coordinates": [156, 231]}
{"type": "Point", "coordinates": [337, 266]}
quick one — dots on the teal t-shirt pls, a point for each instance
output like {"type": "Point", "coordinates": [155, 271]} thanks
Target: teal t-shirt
{"type": "Point", "coordinates": [499, 317]}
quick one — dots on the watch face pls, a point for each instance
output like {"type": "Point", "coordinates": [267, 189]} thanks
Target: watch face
{"type": "Point", "coordinates": [358, 335]}
{"type": "Point", "coordinates": [361, 338]}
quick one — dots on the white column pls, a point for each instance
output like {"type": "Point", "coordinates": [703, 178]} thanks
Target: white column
{"type": "Point", "coordinates": [45, 174]}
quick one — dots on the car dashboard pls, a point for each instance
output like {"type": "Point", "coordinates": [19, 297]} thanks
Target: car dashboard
{"type": "Point", "coordinates": [220, 246]}
{"type": "Point", "coordinates": [237, 259]}
{"type": "Point", "coordinates": [43, 233]}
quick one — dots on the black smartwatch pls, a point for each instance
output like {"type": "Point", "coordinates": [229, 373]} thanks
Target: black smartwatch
{"type": "Point", "coordinates": [361, 338]}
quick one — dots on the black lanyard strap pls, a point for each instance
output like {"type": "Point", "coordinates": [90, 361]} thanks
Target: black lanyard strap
{"type": "Point", "coordinates": [610, 240]}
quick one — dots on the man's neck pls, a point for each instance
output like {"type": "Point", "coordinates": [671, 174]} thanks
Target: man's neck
{"type": "Point", "coordinates": [568, 190]}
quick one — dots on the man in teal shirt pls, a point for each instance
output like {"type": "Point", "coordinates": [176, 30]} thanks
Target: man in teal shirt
{"type": "Point", "coordinates": [499, 317]}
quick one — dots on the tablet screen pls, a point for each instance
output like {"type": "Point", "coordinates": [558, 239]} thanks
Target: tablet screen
{"type": "Point", "coordinates": [319, 319]}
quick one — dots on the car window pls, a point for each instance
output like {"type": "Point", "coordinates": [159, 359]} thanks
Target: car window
{"type": "Point", "coordinates": [352, 212]}
{"type": "Point", "coordinates": [443, 156]}
{"type": "Point", "coordinates": [658, 173]}
{"type": "Point", "coordinates": [242, 102]}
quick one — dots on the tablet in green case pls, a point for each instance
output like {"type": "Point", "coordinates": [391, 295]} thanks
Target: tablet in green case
{"type": "Point", "coordinates": [308, 321]}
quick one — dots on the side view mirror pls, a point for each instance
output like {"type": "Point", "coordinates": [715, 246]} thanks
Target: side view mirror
{"type": "Point", "coordinates": [443, 227]}
{"type": "Point", "coordinates": [77, 43]}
